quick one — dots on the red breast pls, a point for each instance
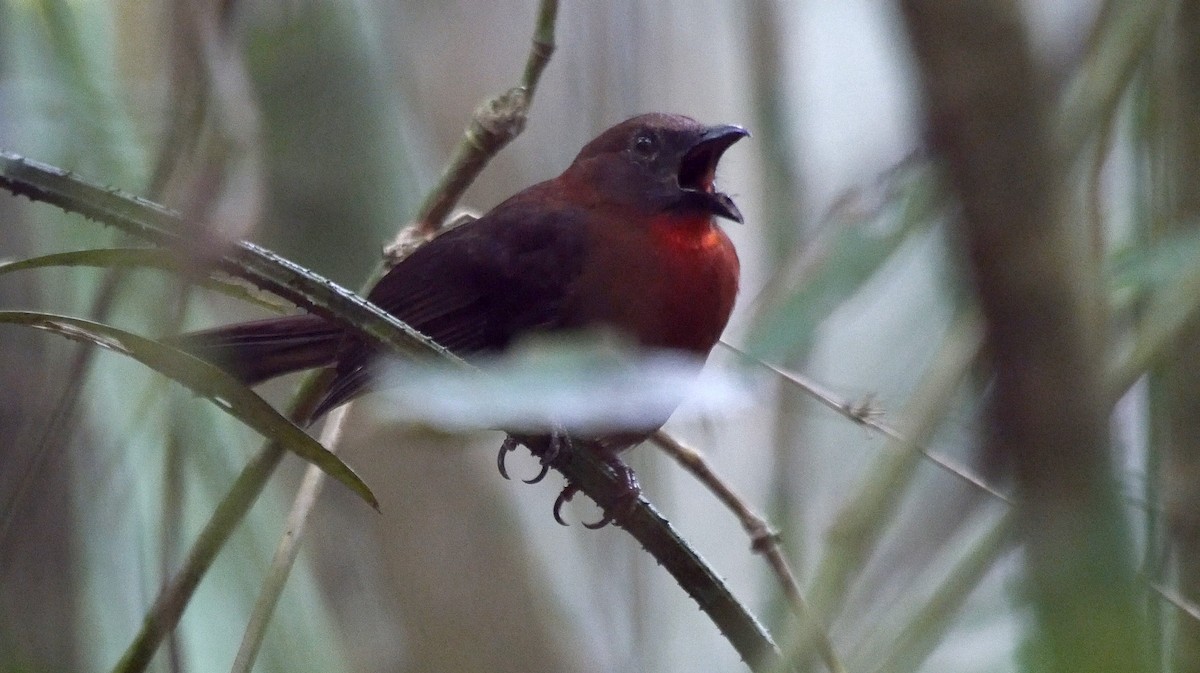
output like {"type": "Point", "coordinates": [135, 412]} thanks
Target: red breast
{"type": "Point", "coordinates": [670, 282]}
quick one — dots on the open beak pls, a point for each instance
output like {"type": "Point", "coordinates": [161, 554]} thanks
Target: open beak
{"type": "Point", "coordinates": [698, 167]}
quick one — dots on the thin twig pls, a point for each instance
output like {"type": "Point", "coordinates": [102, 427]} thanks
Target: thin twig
{"type": "Point", "coordinates": [763, 540]}
{"type": "Point", "coordinates": [287, 549]}
{"type": "Point", "coordinates": [542, 48]}
{"type": "Point", "coordinates": [493, 126]}
{"type": "Point", "coordinates": [1176, 599]}
{"type": "Point", "coordinates": [866, 414]}
{"type": "Point", "coordinates": [760, 532]}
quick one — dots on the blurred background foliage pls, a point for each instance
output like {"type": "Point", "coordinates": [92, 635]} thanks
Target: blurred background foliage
{"type": "Point", "coordinates": [316, 127]}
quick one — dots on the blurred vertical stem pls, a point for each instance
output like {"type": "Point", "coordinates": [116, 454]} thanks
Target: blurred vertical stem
{"type": "Point", "coordinates": [164, 615]}
{"type": "Point", "coordinates": [1152, 180]}
{"type": "Point", "coordinates": [286, 551]}
{"type": "Point", "coordinates": [1179, 412]}
{"type": "Point", "coordinates": [1126, 31]}
{"type": "Point", "coordinates": [929, 624]}
{"type": "Point", "coordinates": [96, 131]}
{"type": "Point", "coordinates": [86, 82]}
{"type": "Point", "coordinates": [783, 201]}
{"type": "Point", "coordinates": [1036, 287]}
{"type": "Point", "coordinates": [782, 206]}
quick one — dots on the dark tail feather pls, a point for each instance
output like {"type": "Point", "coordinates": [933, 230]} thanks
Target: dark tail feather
{"type": "Point", "coordinates": [263, 349]}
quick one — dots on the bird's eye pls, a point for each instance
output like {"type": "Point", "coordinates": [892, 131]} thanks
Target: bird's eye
{"type": "Point", "coordinates": [644, 144]}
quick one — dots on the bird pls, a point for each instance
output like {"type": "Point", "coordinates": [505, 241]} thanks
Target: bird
{"type": "Point", "coordinates": [625, 240]}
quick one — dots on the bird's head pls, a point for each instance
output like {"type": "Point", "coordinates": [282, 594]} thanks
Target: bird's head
{"type": "Point", "coordinates": [662, 162]}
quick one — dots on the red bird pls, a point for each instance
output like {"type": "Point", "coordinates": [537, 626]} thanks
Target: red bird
{"type": "Point", "coordinates": [625, 240]}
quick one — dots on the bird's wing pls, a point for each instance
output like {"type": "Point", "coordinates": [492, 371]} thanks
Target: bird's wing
{"type": "Point", "coordinates": [477, 287]}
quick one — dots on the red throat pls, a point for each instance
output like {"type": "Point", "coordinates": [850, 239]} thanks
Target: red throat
{"type": "Point", "coordinates": [688, 235]}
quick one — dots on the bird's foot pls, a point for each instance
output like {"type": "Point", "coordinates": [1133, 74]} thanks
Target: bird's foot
{"type": "Point", "coordinates": [557, 446]}
{"type": "Point", "coordinates": [556, 442]}
{"type": "Point", "coordinates": [622, 500]}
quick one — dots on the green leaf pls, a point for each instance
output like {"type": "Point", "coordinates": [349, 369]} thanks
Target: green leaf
{"type": "Point", "coordinates": [1138, 271]}
{"type": "Point", "coordinates": [205, 380]}
{"type": "Point", "coordinates": [152, 258]}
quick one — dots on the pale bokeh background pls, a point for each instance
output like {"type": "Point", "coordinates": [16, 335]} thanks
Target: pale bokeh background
{"type": "Point", "coordinates": [333, 118]}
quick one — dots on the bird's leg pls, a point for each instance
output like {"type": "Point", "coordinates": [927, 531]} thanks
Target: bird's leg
{"type": "Point", "coordinates": [556, 442]}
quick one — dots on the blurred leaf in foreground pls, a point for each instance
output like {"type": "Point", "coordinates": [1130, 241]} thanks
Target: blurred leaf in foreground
{"type": "Point", "coordinates": [583, 384]}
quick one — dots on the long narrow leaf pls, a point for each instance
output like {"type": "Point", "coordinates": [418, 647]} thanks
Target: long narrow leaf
{"type": "Point", "coordinates": [204, 379]}
{"type": "Point", "coordinates": [151, 222]}
{"type": "Point", "coordinates": [142, 258]}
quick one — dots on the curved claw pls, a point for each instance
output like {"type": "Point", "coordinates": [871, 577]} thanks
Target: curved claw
{"type": "Point", "coordinates": [554, 447]}
{"type": "Point", "coordinates": [540, 475]}
{"type": "Point", "coordinates": [568, 492]}
{"type": "Point", "coordinates": [597, 525]}
{"type": "Point", "coordinates": [623, 501]}
{"type": "Point", "coordinates": [506, 448]}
